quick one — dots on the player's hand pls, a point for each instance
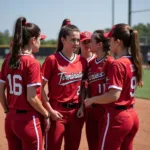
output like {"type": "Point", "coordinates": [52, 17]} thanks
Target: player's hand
{"type": "Point", "coordinates": [55, 115]}
{"type": "Point", "coordinates": [47, 124]}
{"type": "Point", "coordinates": [88, 102]}
{"type": "Point", "coordinates": [80, 112]}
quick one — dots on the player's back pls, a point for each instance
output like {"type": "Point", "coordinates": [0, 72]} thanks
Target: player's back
{"type": "Point", "coordinates": [17, 81]}
{"type": "Point", "coordinates": [124, 80]}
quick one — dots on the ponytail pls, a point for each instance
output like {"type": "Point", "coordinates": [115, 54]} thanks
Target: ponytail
{"type": "Point", "coordinates": [66, 22]}
{"type": "Point", "coordinates": [59, 43]}
{"type": "Point", "coordinates": [136, 55]}
{"type": "Point", "coordinates": [17, 43]}
{"type": "Point", "coordinates": [23, 32]}
{"type": "Point", "coordinates": [130, 40]}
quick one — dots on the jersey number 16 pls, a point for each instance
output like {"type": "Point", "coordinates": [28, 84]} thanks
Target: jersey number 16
{"type": "Point", "coordinates": [15, 88]}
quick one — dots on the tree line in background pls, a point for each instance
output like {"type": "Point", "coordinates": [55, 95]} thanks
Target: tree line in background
{"type": "Point", "coordinates": [144, 33]}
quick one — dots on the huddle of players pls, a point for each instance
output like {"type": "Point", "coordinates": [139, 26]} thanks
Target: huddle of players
{"type": "Point", "coordinates": [91, 86]}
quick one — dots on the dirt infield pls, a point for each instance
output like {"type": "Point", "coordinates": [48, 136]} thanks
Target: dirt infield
{"type": "Point", "coordinates": [142, 140]}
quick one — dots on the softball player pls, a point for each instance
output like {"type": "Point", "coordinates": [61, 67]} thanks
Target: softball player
{"type": "Point", "coordinates": [125, 74]}
{"type": "Point", "coordinates": [97, 85]}
{"type": "Point", "coordinates": [85, 50]}
{"type": "Point", "coordinates": [21, 77]}
{"type": "Point", "coordinates": [64, 72]}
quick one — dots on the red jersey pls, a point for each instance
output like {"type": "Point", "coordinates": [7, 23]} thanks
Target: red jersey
{"type": "Point", "coordinates": [91, 57]}
{"type": "Point", "coordinates": [8, 55]}
{"type": "Point", "coordinates": [97, 76]}
{"type": "Point", "coordinates": [122, 77]}
{"type": "Point", "coordinates": [64, 76]}
{"type": "Point", "coordinates": [17, 81]}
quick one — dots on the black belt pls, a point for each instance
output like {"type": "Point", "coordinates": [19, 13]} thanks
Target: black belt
{"type": "Point", "coordinates": [69, 105]}
{"type": "Point", "coordinates": [94, 105]}
{"type": "Point", "coordinates": [18, 111]}
{"type": "Point", "coordinates": [121, 107]}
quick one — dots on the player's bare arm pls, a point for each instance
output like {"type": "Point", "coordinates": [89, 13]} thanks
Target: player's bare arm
{"type": "Point", "coordinates": [55, 115]}
{"type": "Point", "coordinates": [80, 112]}
{"type": "Point", "coordinates": [106, 98]}
{"type": "Point", "coordinates": [35, 102]}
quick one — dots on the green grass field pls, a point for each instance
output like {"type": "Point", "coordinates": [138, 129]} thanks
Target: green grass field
{"type": "Point", "coordinates": [143, 92]}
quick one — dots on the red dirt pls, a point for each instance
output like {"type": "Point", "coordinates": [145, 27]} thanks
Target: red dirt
{"type": "Point", "coordinates": [142, 140]}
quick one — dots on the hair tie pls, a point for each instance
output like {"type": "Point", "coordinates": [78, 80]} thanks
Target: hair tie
{"type": "Point", "coordinates": [68, 22]}
{"type": "Point", "coordinates": [24, 23]}
{"type": "Point", "coordinates": [131, 31]}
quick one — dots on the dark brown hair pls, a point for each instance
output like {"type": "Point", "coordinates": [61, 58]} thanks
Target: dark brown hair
{"type": "Point", "coordinates": [23, 32]}
{"type": "Point", "coordinates": [64, 32]}
{"type": "Point", "coordinates": [130, 40]}
{"type": "Point", "coordinates": [99, 37]}
{"type": "Point", "coordinates": [65, 21]}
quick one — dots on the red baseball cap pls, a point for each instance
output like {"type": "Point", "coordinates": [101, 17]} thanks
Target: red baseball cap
{"type": "Point", "coordinates": [42, 36]}
{"type": "Point", "coordinates": [85, 36]}
{"type": "Point", "coordinates": [109, 34]}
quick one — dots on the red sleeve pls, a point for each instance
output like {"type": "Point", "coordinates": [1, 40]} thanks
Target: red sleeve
{"type": "Point", "coordinates": [34, 74]}
{"type": "Point", "coordinates": [109, 63]}
{"type": "Point", "coordinates": [47, 69]}
{"type": "Point", "coordinates": [116, 76]}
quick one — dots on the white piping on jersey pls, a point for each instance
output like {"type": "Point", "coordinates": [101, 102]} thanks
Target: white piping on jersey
{"type": "Point", "coordinates": [70, 82]}
{"type": "Point", "coordinates": [106, 130]}
{"type": "Point", "coordinates": [36, 131]}
{"type": "Point", "coordinates": [71, 61]}
{"type": "Point", "coordinates": [115, 87]}
{"type": "Point", "coordinates": [34, 84]}
{"type": "Point", "coordinates": [97, 62]}
{"type": "Point", "coordinates": [90, 58]}
{"type": "Point", "coordinates": [2, 81]}
{"type": "Point", "coordinates": [127, 56]}
{"type": "Point", "coordinates": [44, 79]}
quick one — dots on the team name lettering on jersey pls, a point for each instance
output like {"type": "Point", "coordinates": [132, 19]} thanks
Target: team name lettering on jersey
{"type": "Point", "coordinates": [69, 78]}
{"type": "Point", "coordinates": [96, 76]}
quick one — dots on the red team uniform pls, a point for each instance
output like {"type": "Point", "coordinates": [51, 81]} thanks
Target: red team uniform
{"type": "Point", "coordinates": [97, 80]}
{"type": "Point", "coordinates": [91, 57]}
{"type": "Point", "coordinates": [22, 124]}
{"type": "Point", "coordinates": [121, 121]}
{"type": "Point", "coordinates": [64, 79]}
